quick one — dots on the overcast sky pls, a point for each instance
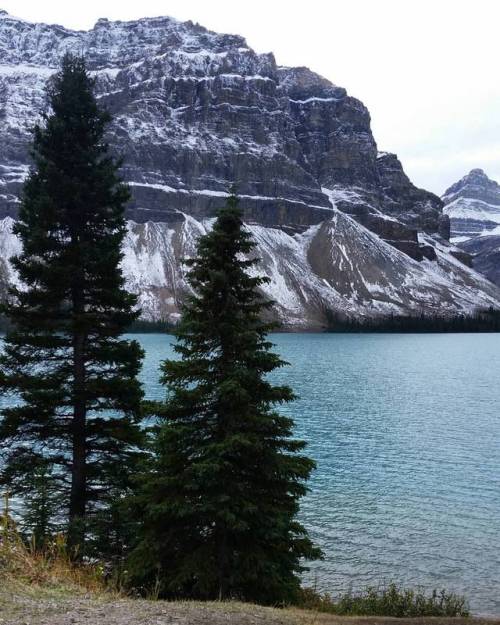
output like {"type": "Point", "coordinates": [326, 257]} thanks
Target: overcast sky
{"type": "Point", "coordinates": [428, 70]}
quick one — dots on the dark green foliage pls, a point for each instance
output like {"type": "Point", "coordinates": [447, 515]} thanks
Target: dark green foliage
{"type": "Point", "coordinates": [481, 321]}
{"type": "Point", "coordinates": [392, 601]}
{"type": "Point", "coordinates": [72, 374]}
{"type": "Point", "coordinates": [220, 500]}
{"type": "Point", "coordinates": [41, 506]}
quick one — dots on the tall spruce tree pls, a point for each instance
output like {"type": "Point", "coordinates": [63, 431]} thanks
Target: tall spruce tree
{"type": "Point", "coordinates": [65, 361]}
{"type": "Point", "coordinates": [220, 499]}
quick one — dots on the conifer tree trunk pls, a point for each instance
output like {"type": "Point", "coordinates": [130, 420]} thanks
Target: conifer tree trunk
{"type": "Point", "coordinates": [222, 549]}
{"type": "Point", "coordinates": [66, 356]}
{"type": "Point", "coordinates": [79, 470]}
{"type": "Point", "coordinates": [78, 495]}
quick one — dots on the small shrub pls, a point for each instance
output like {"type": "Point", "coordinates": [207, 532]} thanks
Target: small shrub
{"type": "Point", "coordinates": [392, 600]}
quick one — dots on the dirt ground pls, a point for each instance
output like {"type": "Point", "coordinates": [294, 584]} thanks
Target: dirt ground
{"type": "Point", "coordinates": [111, 611]}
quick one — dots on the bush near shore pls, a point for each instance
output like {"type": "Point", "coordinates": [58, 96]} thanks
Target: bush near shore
{"type": "Point", "coordinates": [391, 600]}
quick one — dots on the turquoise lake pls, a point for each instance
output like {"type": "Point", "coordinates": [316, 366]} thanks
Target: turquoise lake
{"type": "Point", "coordinates": [405, 430]}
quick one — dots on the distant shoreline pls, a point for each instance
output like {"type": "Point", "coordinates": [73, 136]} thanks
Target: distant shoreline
{"type": "Point", "coordinates": [481, 322]}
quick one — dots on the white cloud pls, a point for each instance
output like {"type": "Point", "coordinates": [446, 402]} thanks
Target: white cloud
{"type": "Point", "coordinates": [426, 69]}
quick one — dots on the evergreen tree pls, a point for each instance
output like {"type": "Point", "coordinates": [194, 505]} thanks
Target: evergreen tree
{"type": "Point", "coordinates": [219, 501]}
{"type": "Point", "coordinates": [65, 361]}
{"type": "Point", "coordinates": [41, 507]}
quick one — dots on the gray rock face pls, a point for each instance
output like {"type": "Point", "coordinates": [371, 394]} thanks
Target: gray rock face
{"type": "Point", "coordinates": [473, 204]}
{"type": "Point", "coordinates": [402, 199]}
{"type": "Point", "coordinates": [196, 111]}
{"type": "Point", "coordinates": [485, 254]}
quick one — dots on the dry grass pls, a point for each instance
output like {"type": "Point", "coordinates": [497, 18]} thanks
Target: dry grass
{"type": "Point", "coordinates": [27, 571]}
{"type": "Point", "coordinates": [35, 582]}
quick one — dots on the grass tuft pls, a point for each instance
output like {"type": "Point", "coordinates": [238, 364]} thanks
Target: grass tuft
{"type": "Point", "coordinates": [391, 600]}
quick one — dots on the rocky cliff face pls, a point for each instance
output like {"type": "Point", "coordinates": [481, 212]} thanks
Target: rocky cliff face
{"type": "Point", "coordinates": [473, 205]}
{"type": "Point", "coordinates": [196, 111]}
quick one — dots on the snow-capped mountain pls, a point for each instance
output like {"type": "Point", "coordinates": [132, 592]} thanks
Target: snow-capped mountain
{"type": "Point", "coordinates": [473, 205]}
{"type": "Point", "coordinates": [338, 224]}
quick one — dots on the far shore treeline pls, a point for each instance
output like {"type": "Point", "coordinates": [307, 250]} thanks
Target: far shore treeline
{"type": "Point", "coordinates": [487, 320]}
{"type": "Point", "coordinates": [481, 321]}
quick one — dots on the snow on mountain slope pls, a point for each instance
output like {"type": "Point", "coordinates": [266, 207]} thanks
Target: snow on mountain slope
{"type": "Point", "coordinates": [9, 246]}
{"type": "Point", "coordinates": [473, 205]}
{"type": "Point", "coordinates": [472, 217]}
{"type": "Point", "coordinates": [337, 265]}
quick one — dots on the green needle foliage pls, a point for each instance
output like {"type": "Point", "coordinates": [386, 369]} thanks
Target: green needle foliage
{"type": "Point", "coordinates": [220, 499]}
{"type": "Point", "coordinates": [65, 362]}
{"type": "Point", "coordinates": [40, 507]}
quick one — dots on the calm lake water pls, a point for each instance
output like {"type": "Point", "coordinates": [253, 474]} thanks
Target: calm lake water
{"type": "Point", "coordinates": [405, 430]}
